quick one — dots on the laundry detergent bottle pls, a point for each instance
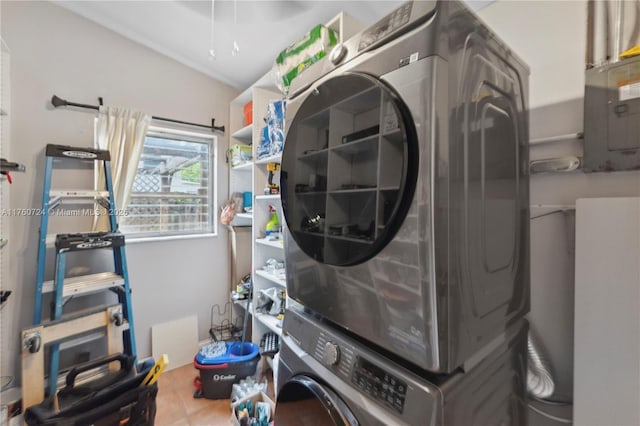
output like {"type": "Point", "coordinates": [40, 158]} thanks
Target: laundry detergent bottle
{"type": "Point", "coordinates": [273, 226]}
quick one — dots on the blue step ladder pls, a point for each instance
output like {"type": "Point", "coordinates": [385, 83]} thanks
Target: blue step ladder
{"type": "Point", "coordinates": [64, 288]}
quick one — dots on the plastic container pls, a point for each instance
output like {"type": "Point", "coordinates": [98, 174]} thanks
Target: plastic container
{"type": "Point", "coordinates": [217, 375]}
{"type": "Point", "coordinates": [274, 224]}
{"type": "Point", "coordinates": [236, 352]}
{"type": "Point", "coordinates": [247, 386]}
{"type": "Point", "coordinates": [247, 200]}
{"type": "Point", "coordinates": [248, 113]}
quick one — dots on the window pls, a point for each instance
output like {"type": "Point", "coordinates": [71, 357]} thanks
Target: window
{"type": "Point", "coordinates": [174, 189]}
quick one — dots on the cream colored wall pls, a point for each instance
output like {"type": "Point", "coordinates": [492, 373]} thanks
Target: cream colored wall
{"type": "Point", "coordinates": [54, 51]}
{"type": "Point", "coordinates": [551, 37]}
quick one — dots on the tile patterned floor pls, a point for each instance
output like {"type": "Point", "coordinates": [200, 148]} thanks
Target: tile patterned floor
{"type": "Point", "coordinates": [176, 405]}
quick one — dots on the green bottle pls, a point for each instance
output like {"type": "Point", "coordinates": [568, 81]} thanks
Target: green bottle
{"type": "Point", "coordinates": [273, 226]}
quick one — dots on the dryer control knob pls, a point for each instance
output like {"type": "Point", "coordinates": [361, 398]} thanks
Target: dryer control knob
{"type": "Point", "coordinates": [337, 54]}
{"type": "Point", "coordinates": [331, 355]}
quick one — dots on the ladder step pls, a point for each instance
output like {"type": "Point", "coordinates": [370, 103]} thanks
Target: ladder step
{"type": "Point", "coordinates": [89, 336]}
{"type": "Point", "coordinates": [77, 153]}
{"type": "Point", "coordinates": [86, 284]}
{"type": "Point", "coordinates": [77, 341]}
{"type": "Point", "coordinates": [89, 241]}
{"type": "Point", "coordinates": [81, 340]}
{"type": "Point", "coordinates": [78, 193]}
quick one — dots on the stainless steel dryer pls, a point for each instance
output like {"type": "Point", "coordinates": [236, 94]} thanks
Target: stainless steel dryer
{"type": "Point", "coordinates": [326, 378]}
{"type": "Point", "coordinates": [405, 188]}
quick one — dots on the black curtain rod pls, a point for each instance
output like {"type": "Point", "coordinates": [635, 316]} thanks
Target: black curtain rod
{"type": "Point", "coordinates": [58, 102]}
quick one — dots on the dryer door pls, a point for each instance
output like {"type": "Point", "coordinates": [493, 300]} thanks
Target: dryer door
{"type": "Point", "coordinates": [304, 401]}
{"type": "Point", "coordinates": [349, 169]}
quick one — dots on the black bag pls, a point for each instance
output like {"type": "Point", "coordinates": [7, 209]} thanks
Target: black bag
{"type": "Point", "coordinates": [117, 399]}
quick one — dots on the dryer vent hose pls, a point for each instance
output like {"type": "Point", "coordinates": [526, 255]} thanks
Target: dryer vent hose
{"type": "Point", "coordinates": [539, 380]}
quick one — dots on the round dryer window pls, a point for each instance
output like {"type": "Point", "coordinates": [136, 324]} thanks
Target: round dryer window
{"type": "Point", "coordinates": [349, 169]}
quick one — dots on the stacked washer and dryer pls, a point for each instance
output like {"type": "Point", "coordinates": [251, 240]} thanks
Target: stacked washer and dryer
{"type": "Point", "coordinates": [405, 197]}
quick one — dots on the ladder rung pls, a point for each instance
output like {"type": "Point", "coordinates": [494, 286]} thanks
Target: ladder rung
{"type": "Point", "coordinates": [81, 340]}
{"type": "Point", "coordinates": [78, 153]}
{"type": "Point", "coordinates": [83, 313]}
{"type": "Point", "coordinates": [78, 193]}
{"type": "Point", "coordinates": [89, 241]}
{"type": "Point", "coordinates": [85, 284]}
{"type": "Point", "coordinates": [115, 237]}
{"type": "Point", "coordinates": [77, 341]}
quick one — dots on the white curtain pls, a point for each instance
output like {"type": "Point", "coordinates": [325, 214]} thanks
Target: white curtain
{"type": "Point", "coordinates": [122, 132]}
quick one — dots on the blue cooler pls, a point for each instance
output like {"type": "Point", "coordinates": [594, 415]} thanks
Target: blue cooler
{"type": "Point", "coordinates": [218, 374]}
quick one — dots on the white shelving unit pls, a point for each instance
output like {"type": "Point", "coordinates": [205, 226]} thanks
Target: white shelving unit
{"type": "Point", "coordinates": [272, 159]}
{"type": "Point", "coordinates": [263, 248]}
{"type": "Point", "coordinates": [248, 166]}
{"type": "Point", "coordinates": [273, 197]}
{"type": "Point", "coordinates": [270, 322]}
{"type": "Point", "coordinates": [254, 177]}
{"type": "Point", "coordinates": [270, 243]}
{"type": "Point", "coordinates": [244, 134]}
{"type": "Point", "coordinates": [271, 277]}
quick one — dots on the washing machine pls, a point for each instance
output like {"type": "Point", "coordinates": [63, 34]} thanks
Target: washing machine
{"type": "Point", "coordinates": [405, 188]}
{"type": "Point", "coordinates": [328, 378]}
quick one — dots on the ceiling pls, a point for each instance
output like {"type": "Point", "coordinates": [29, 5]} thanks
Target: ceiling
{"type": "Point", "coordinates": [182, 30]}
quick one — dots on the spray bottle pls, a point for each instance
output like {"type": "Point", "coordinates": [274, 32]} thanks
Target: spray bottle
{"type": "Point", "coordinates": [273, 226]}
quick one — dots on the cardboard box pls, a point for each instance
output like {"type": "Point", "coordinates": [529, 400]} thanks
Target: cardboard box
{"type": "Point", "coordinates": [256, 397]}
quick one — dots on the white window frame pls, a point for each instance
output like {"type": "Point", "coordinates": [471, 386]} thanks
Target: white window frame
{"type": "Point", "coordinates": [169, 133]}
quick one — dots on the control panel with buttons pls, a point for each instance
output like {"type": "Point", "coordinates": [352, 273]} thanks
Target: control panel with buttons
{"type": "Point", "coordinates": [385, 26]}
{"type": "Point", "coordinates": [378, 384]}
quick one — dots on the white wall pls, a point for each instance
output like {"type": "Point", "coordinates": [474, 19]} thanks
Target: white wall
{"type": "Point", "coordinates": [551, 37]}
{"type": "Point", "coordinates": [54, 51]}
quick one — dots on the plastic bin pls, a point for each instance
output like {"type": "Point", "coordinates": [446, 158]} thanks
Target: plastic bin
{"type": "Point", "coordinates": [217, 375]}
